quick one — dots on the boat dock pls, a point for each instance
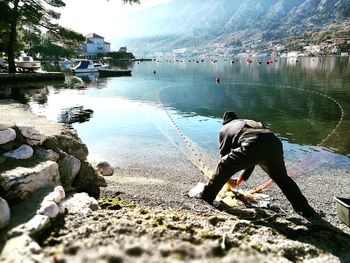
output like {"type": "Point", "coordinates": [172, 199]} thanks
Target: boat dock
{"type": "Point", "coordinates": [106, 72]}
{"type": "Point", "coordinates": [36, 76]}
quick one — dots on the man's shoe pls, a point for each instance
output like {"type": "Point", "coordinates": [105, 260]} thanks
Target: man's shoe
{"type": "Point", "coordinates": [309, 214]}
{"type": "Point", "coordinates": [197, 191]}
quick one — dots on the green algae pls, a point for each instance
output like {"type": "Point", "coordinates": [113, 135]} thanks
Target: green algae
{"type": "Point", "coordinates": [114, 203]}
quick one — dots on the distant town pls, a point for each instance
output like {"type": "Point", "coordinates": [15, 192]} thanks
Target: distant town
{"type": "Point", "coordinates": [340, 47]}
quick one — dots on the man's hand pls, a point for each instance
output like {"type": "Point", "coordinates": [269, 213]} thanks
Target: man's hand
{"type": "Point", "coordinates": [235, 182]}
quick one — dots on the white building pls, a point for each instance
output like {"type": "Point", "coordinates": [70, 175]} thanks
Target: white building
{"type": "Point", "coordinates": [95, 44]}
{"type": "Point", "coordinates": [123, 49]}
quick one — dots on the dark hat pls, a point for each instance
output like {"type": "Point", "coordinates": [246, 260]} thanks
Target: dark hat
{"type": "Point", "coordinates": [228, 116]}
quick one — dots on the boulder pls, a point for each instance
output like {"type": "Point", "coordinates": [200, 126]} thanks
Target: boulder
{"type": "Point", "coordinates": [21, 153]}
{"type": "Point", "coordinates": [36, 224]}
{"type": "Point", "coordinates": [81, 203]}
{"type": "Point", "coordinates": [32, 135]}
{"type": "Point", "coordinates": [69, 143]}
{"type": "Point", "coordinates": [22, 181]}
{"type": "Point", "coordinates": [4, 213]}
{"type": "Point", "coordinates": [22, 249]}
{"type": "Point", "coordinates": [46, 154]}
{"type": "Point", "coordinates": [88, 180]}
{"type": "Point", "coordinates": [7, 135]}
{"type": "Point", "coordinates": [105, 169]}
{"type": "Point", "coordinates": [69, 167]}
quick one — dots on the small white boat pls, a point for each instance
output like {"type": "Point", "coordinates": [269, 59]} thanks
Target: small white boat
{"type": "Point", "coordinates": [99, 64]}
{"type": "Point", "coordinates": [84, 66]}
{"type": "Point", "coordinates": [27, 63]}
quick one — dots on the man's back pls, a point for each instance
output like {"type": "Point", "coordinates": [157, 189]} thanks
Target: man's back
{"type": "Point", "coordinates": [230, 133]}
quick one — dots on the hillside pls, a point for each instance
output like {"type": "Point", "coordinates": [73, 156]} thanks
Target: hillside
{"type": "Point", "coordinates": [235, 26]}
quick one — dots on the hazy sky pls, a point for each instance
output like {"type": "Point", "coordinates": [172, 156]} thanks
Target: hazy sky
{"type": "Point", "coordinates": [106, 18]}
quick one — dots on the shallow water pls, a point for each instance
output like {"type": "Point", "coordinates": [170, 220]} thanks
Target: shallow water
{"type": "Point", "coordinates": [138, 120]}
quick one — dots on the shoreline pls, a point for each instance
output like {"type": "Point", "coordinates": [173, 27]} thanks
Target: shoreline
{"type": "Point", "coordinates": [146, 216]}
{"type": "Point", "coordinates": [36, 76]}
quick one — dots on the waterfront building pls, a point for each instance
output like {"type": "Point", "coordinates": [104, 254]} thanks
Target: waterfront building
{"type": "Point", "coordinates": [123, 49]}
{"type": "Point", "coordinates": [94, 45]}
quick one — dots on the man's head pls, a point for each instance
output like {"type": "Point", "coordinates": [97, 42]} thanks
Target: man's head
{"type": "Point", "coordinates": [228, 116]}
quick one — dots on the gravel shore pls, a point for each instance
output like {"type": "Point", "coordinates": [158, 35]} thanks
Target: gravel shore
{"type": "Point", "coordinates": [146, 216]}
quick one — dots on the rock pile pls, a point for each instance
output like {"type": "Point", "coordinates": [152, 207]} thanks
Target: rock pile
{"type": "Point", "coordinates": [30, 161]}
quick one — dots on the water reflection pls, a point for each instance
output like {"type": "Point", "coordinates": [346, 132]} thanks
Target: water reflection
{"type": "Point", "coordinates": [286, 95]}
{"type": "Point", "coordinates": [75, 115]}
{"type": "Point", "coordinates": [88, 77]}
{"type": "Point", "coordinates": [85, 80]}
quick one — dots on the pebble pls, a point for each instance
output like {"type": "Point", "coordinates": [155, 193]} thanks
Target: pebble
{"type": "Point", "coordinates": [49, 208]}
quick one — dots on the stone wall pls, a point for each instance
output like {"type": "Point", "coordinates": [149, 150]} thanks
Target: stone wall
{"type": "Point", "coordinates": [30, 161]}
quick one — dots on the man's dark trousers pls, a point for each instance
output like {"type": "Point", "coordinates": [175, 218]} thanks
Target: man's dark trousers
{"type": "Point", "coordinates": [263, 149]}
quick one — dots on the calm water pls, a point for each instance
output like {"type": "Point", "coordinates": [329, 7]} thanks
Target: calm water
{"type": "Point", "coordinates": [127, 120]}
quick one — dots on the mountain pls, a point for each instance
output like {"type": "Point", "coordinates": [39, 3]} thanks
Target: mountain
{"type": "Point", "coordinates": [202, 26]}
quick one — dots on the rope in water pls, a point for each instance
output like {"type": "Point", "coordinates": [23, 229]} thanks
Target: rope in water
{"type": "Point", "coordinates": [270, 182]}
{"type": "Point", "coordinates": [204, 169]}
{"type": "Point", "coordinates": [342, 113]}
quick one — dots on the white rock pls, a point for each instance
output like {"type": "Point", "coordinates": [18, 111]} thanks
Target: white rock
{"type": "Point", "coordinates": [104, 168]}
{"type": "Point", "coordinates": [54, 196]}
{"type": "Point", "coordinates": [81, 203]}
{"type": "Point", "coordinates": [21, 181]}
{"type": "Point", "coordinates": [5, 213]}
{"type": "Point", "coordinates": [21, 153]}
{"type": "Point", "coordinates": [7, 135]}
{"type": "Point", "coordinates": [36, 224]}
{"type": "Point", "coordinates": [60, 189]}
{"type": "Point", "coordinates": [49, 208]}
{"type": "Point", "coordinates": [22, 249]}
{"type": "Point", "coordinates": [62, 208]}
{"type": "Point", "coordinates": [34, 137]}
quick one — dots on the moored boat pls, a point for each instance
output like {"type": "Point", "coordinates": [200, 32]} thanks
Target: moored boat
{"type": "Point", "coordinates": [84, 66]}
{"type": "Point", "coordinates": [27, 63]}
{"type": "Point", "coordinates": [99, 64]}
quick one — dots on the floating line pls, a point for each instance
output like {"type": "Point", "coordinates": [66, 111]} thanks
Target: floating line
{"type": "Point", "coordinates": [204, 169]}
{"type": "Point", "coordinates": [270, 182]}
{"type": "Point", "coordinates": [201, 166]}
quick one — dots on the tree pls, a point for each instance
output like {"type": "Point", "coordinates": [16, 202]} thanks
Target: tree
{"type": "Point", "coordinates": [35, 14]}
{"type": "Point", "coordinates": [4, 18]}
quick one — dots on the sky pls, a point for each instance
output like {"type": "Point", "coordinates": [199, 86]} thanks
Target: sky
{"type": "Point", "coordinates": [105, 18]}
